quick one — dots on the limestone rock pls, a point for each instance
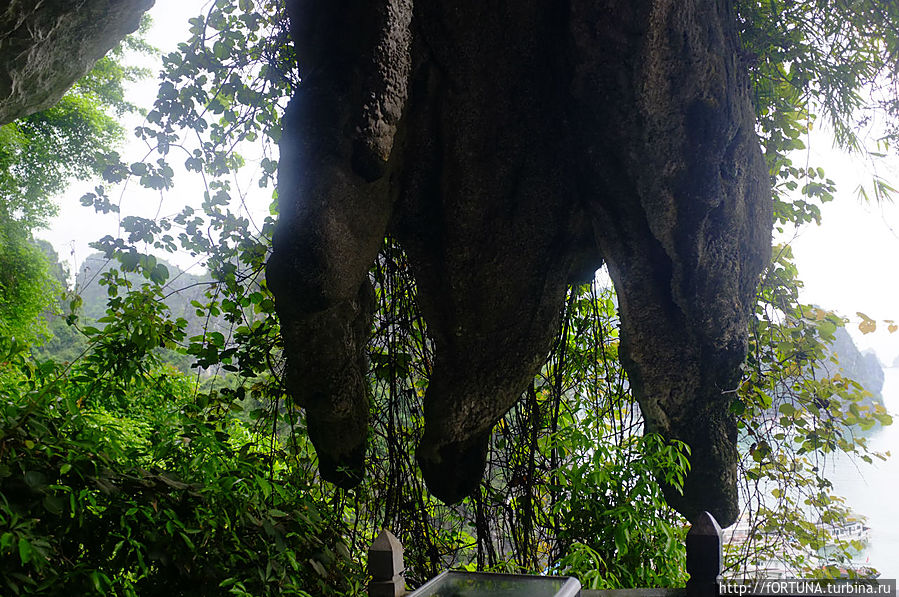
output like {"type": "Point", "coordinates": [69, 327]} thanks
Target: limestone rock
{"type": "Point", "coordinates": [509, 147]}
{"type": "Point", "coordinates": [863, 367]}
{"type": "Point", "coordinates": [47, 45]}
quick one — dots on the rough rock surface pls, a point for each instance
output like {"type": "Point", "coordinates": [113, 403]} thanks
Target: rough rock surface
{"type": "Point", "coordinates": [507, 145]}
{"type": "Point", "coordinates": [46, 46]}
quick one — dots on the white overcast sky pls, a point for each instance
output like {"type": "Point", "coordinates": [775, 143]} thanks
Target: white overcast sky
{"type": "Point", "coordinates": [848, 263]}
{"type": "Point", "coordinates": [75, 226]}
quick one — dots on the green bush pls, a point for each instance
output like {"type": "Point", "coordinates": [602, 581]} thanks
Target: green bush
{"type": "Point", "coordinates": [161, 503]}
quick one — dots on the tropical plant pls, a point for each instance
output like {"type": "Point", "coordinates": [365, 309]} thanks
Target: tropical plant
{"type": "Point", "coordinates": [214, 486]}
{"type": "Point", "coordinates": [39, 156]}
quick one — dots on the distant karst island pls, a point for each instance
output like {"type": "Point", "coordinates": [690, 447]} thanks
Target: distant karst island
{"type": "Point", "coordinates": [863, 367]}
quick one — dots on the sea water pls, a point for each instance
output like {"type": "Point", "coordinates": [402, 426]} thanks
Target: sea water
{"type": "Point", "coordinates": [872, 490]}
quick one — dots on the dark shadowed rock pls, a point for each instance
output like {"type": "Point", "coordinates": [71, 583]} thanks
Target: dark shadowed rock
{"type": "Point", "coordinates": [46, 46]}
{"type": "Point", "coordinates": [509, 147]}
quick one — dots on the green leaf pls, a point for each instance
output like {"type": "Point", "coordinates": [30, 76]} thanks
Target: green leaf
{"type": "Point", "coordinates": [827, 328]}
{"type": "Point", "coordinates": [26, 551]}
{"type": "Point", "coordinates": [220, 50]}
{"type": "Point", "coordinates": [159, 274]}
{"type": "Point", "coordinates": [54, 504]}
{"type": "Point", "coordinates": [621, 539]}
{"type": "Point", "coordinates": [129, 261]}
{"type": "Point", "coordinates": [884, 418]}
{"type": "Point", "coordinates": [35, 479]}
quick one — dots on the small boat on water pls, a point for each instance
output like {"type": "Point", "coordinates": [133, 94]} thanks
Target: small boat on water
{"type": "Point", "coordinates": [856, 571]}
{"type": "Point", "coordinates": [850, 530]}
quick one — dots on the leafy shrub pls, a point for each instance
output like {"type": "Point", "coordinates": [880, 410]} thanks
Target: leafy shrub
{"type": "Point", "coordinates": [164, 508]}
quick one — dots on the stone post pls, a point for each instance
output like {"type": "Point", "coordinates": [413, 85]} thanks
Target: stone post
{"type": "Point", "coordinates": [385, 565]}
{"type": "Point", "coordinates": [704, 557]}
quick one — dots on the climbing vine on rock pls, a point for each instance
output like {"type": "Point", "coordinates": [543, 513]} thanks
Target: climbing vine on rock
{"type": "Point", "coordinates": [209, 479]}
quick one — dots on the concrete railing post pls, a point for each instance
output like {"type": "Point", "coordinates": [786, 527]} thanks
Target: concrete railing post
{"type": "Point", "coordinates": [385, 565]}
{"type": "Point", "coordinates": [704, 557]}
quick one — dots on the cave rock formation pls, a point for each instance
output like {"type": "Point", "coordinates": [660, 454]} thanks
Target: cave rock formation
{"type": "Point", "coordinates": [46, 46]}
{"type": "Point", "coordinates": [509, 147]}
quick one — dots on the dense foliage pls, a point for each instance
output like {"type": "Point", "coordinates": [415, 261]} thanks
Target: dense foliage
{"type": "Point", "coordinates": [139, 490]}
{"type": "Point", "coordinates": [39, 156]}
{"type": "Point", "coordinates": [122, 475]}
